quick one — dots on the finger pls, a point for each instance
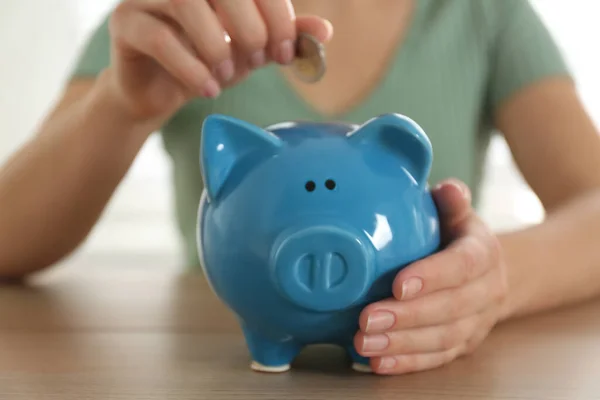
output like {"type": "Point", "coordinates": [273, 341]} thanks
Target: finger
{"type": "Point", "coordinates": [408, 363]}
{"type": "Point", "coordinates": [453, 201]}
{"type": "Point", "coordinates": [418, 340]}
{"type": "Point", "coordinates": [246, 27]}
{"type": "Point", "coordinates": [467, 259]}
{"type": "Point", "coordinates": [207, 36]}
{"type": "Point", "coordinates": [155, 7]}
{"type": "Point", "coordinates": [242, 66]}
{"type": "Point", "coordinates": [280, 21]}
{"type": "Point", "coordinates": [154, 38]}
{"type": "Point", "coordinates": [438, 308]}
{"type": "Point", "coordinates": [321, 29]}
{"type": "Point", "coordinates": [489, 320]}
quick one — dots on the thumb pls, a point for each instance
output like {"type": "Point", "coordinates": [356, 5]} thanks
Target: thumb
{"type": "Point", "coordinates": [318, 27]}
{"type": "Point", "coordinates": [453, 200]}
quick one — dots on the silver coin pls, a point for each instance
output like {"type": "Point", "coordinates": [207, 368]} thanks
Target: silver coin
{"type": "Point", "coordinates": [309, 62]}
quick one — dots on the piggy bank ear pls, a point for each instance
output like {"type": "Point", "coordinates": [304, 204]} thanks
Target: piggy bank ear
{"type": "Point", "coordinates": [226, 142]}
{"type": "Point", "coordinates": [402, 136]}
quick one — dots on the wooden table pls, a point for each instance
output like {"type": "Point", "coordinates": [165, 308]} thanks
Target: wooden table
{"type": "Point", "coordinates": [138, 332]}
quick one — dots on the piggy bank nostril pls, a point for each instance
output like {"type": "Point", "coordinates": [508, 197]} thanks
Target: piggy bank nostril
{"type": "Point", "coordinates": [310, 269]}
{"type": "Point", "coordinates": [330, 184]}
{"type": "Point", "coordinates": [310, 186]}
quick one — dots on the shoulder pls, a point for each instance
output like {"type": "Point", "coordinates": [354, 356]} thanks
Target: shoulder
{"type": "Point", "coordinates": [482, 17]}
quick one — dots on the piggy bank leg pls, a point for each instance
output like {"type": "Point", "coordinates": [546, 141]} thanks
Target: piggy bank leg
{"type": "Point", "coordinates": [359, 363]}
{"type": "Point", "coordinates": [269, 355]}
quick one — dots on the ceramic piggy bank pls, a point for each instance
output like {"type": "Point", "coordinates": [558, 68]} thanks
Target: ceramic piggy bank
{"type": "Point", "coordinates": [301, 225]}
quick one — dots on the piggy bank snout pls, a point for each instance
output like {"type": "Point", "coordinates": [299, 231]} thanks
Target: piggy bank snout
{"type": "Point", "coordinates": [321, 268]}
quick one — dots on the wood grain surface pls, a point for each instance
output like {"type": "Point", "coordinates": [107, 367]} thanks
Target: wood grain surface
{"type": "Point", "coordinates": [119, 332]}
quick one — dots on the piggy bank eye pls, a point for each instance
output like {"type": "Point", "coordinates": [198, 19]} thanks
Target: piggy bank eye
{"type": "Point", "coordinates": [330, 184]}
{"type": "Point", "coordinates": [310, 186]}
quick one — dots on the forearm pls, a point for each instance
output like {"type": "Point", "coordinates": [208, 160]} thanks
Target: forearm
{"type": "Point", "coordinates": [557, 262]}
{"type": "Point", "coordinates": [54, 189]}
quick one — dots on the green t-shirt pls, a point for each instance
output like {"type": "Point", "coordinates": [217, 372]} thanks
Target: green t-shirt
{"type": "Point", "coordinates": [460, 60]}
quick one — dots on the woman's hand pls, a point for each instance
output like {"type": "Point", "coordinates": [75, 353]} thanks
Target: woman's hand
{"type": "Point", "coordinates": [445, 305]}
{"type": "Point", "coordinates": [166, 52]}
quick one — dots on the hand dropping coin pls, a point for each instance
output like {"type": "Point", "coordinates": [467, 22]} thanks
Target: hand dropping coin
{"type": "Point", "coordinates": [309, 63]}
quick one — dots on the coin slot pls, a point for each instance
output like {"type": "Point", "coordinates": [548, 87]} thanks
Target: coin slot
{"type": "Point", "coordinates": [330, 184]}
{"type": "Point", "coordinates": [310, 186]}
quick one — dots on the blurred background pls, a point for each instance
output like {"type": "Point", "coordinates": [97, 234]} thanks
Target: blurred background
{"type": "Point", "coordinates": [40, 39]}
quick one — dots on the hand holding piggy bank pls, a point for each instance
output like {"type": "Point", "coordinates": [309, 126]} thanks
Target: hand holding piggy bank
{"type": "Point", "coordinates": [301, 225]}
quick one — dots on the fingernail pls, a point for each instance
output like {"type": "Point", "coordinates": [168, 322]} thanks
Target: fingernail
{"type": "Point", "coordinates": [460, 187]}
{"type": "Point", "coordinates": [211, 89]}
{"type": "Point", "coordinates": [286, 52]}
{"type": "Point", "coordinates": [411, 287]}
{"type": "Point", "coordinates": [387, 363]}
{"type": "Point", "coordinates": [375, 343]}
{"type": "Point", "coordinates": [380, 321]}
{"type": "Point", "coordinates": [329, 29]}
{"type": "Point", "coordinates": [225, 71]}
{"type": "Point", "coordinates": [257, 59]}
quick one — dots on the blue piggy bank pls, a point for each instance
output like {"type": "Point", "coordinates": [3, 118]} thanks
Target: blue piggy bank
{"type": "Point", "coordinates": [301, 225]}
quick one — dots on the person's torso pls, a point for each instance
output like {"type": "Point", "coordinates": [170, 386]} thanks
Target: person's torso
{"type": "Point", "coordinates": [437, 77]}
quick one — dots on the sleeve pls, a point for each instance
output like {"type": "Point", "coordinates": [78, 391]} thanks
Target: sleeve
{"type": "Point", "coordinates": [95, 55]}
{"type": "Point", "coordinates": [523, 51]}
